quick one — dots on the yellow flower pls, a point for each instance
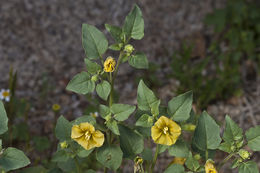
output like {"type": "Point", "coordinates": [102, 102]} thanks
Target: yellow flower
{"type": "Point", "coordinates": [55, 107]}
{"type": "Point", "coordinates": [165, 131]}
{"type": "Point", "coordinates": [86, 136]}
{"type": "Point", "coordinates": [109, 64]}
{"type": "Point", "coordinates": [178, 160]}
{"type": "Point", "coordinates": [209, 167]}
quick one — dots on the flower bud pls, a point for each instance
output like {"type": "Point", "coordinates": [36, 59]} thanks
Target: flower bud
{"type": "Point", "coordinates": [55, 107]}
{"type": "Point", "coordinates": [64, 145]}
{"type": "Point", "coordinates": [197, 157]}
{"type": "Point", "coordinates": [189, 127]}
{"type": "Point", "coordinates": [108, 117]}
{"type": "Point", "coordinates": [129, 49]}
{"type": "Point", "coordinates": [94, 78]}
{"type": "Point", "coordinates": [244, 154]}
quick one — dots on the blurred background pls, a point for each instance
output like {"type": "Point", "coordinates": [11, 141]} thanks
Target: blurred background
{"type": "Point", "coordinates": [209, 46]}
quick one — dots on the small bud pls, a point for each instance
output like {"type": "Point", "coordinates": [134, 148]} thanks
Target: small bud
{"type": "Point", "coordinates": [150, 120]}
{"type": "Point", "coordinates": [55, 107]}
{"type": "Point", "coordinates": [94, 114]}
{"type": "Point", "coordinates": [129, 49]}
{"type": "Point", "coordinates": [108, 117]}
{"type": "Point", "coordinates": [197, 157]}
{"type": "Point", "coordinates": [138, 167]}
{"type": "Point", "coordinates": [94, 78]}
{"type": "Point", "coordinates": [244, 154]}
{"type": "Point", "coordinates": [64, 145]}
{"type": "Point", "coordinates": [109, 64]}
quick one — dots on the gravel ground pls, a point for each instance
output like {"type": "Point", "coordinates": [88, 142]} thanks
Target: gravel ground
{"type": "Point", "coordinates": [41, 39]}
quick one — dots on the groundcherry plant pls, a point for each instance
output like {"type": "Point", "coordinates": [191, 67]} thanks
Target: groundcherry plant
{"type": "Point", "coordinates": [102, 142]}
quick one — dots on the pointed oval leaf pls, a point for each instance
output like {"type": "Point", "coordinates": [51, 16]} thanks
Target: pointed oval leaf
{"type": "Point", "coordinates": [81, 83]}
{"type": "Point", "coordinates": [134, 24]}
{"type": "Point", "coordinates": [248, 167]}
{"type": "Point", "coordinates": [115, 31]}
{"type": "Point", "coordinates": [63, 129]}
{"type": "Point", "coordinates": [131, 142]}
{"type": "Point", "coordinates": [122, 111]}
{"type": "Point", "coordinates": [253, 138]}
{"type": "Point", "coordinates": [232, 131]}
{"type": "Point", "coordinates": [94, 41]}
{"type": "Point", "coordinates": [110, 156]}
{"type": "Point", "coordinates": [103, 89]}
{"type": "Point", "coordinates": [145, 121]}
{"type": "Point", "coordinates": [175, 168]}
{"type": "Point", "coordinates": [13, 158]}
{"type": "Point", "coordinates": [138, 61]}
{"type": "Point", "coordinates": [92, 67]}
{"type": "Point", "coordinates": [207, 133]}
{"type": "Point", "coordinates": [145, 97]}
{"type": "Point", "coordinates": [179, 107]}
{"type": "Point", "coordinates": [3, 119]}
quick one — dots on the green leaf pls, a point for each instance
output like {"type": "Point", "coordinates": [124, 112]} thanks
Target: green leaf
{"type": "Point", "coordinates": [94, 42]}
{"type": "Point", "coordinates": [131, 142]}
{"type": "Point", "coordinates": [145, 121]}
{"type": "Point", "coordinates": [253, 138]}
{"type": "Point", "coordinates": [147, 154]}
{"type": "Point", "coordinates": [134, 24]}
{"type": "Point", "coordinates": [138, 61]}
{"type": "Point", "coordinates": [3, 118]}
{"type": "Point", "coordinates": [155, 107]}
{"type": "Point", "coordinates": [145, 97]}
{"type": "Point", "coordinates": [179, 149]}
{"type": "Point", "coordinates": [248, 167]}
{"type": "Point", "coordinates": [38, 169]}
{"type": "Point", "coordinates": [122, 111]}
{"type": "Point", "coordinates": [116, 46]}
{"type": "Point", "coordinates": [104, 111]}
{"type": "Point", "coordinates": [232, 131]}
{"type": "Point", "coordinates": [83, 153]}
{"type": "Point", "coordinates": [81, 83]}
{"type": "Point", "coordinates": [92, 67]}
{"type": "Point", "coordinates": [41, 143]}
{"type": "Point", "coordinates": [103, 89]}
{"type": "Point", "coordinates": [83, 119]}
{"type": "Point", "coordinates": [12, 159]}
{"type": "Point", "coordinates": [1, 144]}
{"type": "Point", "coordinates": [225, 146]}
{"type": "Point", "coordinates": [112, 125]}
{"type": "Point", "coordinates": [179, 107]}
{"type": "Point", "coordinates": [192, 163]}
{"type": "Point", "coordinates": [63, 129]}
{"type": "Point", "coordinates": [175, 168]}
{"type": "Point", "coordinates": [206, 135]}
{"type": "Point", "coordinates": [68, 166]}
{"type": "Point", "coordinates": [60, 156]}
{"type": "Point", "coordinates": [115, 31]}
{"type": "Point", "coordinates": [110, 156]}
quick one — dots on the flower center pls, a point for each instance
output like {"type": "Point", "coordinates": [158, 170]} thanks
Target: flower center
{"type": "Point", "coordinates": [87, 135]}
{"type": "Point", "coordinates": [211, 171]}
{"type": "Point", "coordinates": [5, 94]}
{"type": "Point", "coordinates": [165, 130]}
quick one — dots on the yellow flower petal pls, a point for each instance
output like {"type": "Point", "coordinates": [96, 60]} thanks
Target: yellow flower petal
{"type": "Point", "coordinates": [87, 127]}
{"type": "Point", "coordinates": [209, 167]}
{"type": "Point", "coordinates": [76, 132]}
{"type": "Point", "coordinates": [98, 138]}
{"type": "Point", "coordinates": [156, 133]}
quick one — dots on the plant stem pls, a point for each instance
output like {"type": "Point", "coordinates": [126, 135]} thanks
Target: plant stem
{"type": "Point", "coordinates": [207, 155]}
{"type": "Point", "coordinates": [223, 162]}
{"type": "Point", "coordinates": [77, 165]}
{"type": "Point", "coordinates": [112, 89]}
{"type": "Point", "coordinates": [155, 158]}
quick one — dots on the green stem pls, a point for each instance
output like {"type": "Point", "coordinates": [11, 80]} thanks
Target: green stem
{"type": "Point", "coordinates": [105, 170]}
{"type": "Point", "coordinates": [77, 165]}
{"type": "Point", "coordinates": [112, 89]}
{"type": "Point", "coordinates": [155, 158]}
{"type": "Point", "coordinates": [207, 155]}
{"type": "Point", "coordinates": [223, 162]}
